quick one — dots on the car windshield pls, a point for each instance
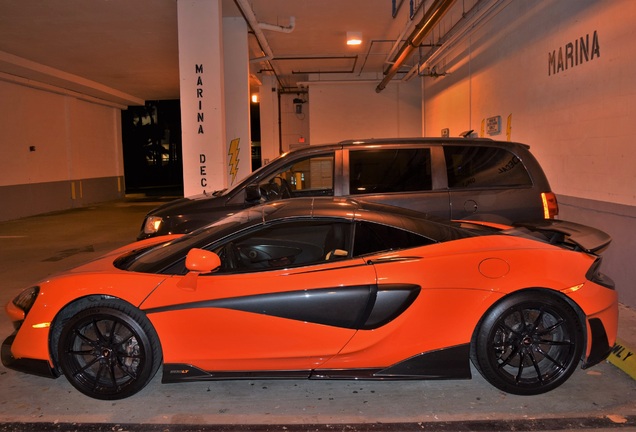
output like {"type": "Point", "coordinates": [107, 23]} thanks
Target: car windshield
{"type": "Point", "coordinates": [152, 260]}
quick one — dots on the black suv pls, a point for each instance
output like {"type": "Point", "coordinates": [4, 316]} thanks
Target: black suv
{"type": "Point", "coordinates": [454, 178]}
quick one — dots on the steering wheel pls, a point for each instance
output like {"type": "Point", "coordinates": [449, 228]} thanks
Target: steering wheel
{"type": "Point", "coordinates": [278, 188]}
{"type": "Point", "coordinates": [231, 257]}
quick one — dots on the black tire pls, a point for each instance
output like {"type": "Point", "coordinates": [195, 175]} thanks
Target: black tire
{"type": "Point", "coordinates": [528, 344]}
{"type": "Point", "coordinates": [109, 351]}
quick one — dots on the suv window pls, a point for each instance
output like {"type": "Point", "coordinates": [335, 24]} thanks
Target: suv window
{"type": "Point", "coordinates": [472, 167]}
{"type": "Point", "coordinates": [389, 170]}
{"type": "Point", "coordinates": [312, 176]}
{"type": "Point", "coordinates": [372, 237]}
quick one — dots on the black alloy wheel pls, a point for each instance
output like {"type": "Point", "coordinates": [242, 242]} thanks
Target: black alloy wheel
{"type": "Point", "coordinates": [109, 352]}
{"type": "Point", "coordinates": [528, 344]}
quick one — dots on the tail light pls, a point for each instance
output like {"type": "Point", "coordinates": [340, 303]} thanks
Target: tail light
{"type": "Point", "coordinates": [550, 205]}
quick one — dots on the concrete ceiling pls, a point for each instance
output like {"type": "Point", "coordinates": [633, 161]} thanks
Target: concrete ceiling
{"type": "Point", "coordinates": [127, 50]}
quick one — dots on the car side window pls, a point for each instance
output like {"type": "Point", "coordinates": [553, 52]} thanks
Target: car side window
{"type": "Point", "coordinates": [373, 237]}
{"type": "Point", "coordinates": [478, 166]}
{"type": "Point", "coordinates": [312, 176]}
{"type": "Point", "coordinates": [284, 245]}
{"type": "Point", "coordinates": [389, 170]}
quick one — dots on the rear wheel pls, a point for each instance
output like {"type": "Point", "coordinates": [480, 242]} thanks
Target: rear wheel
{"type": "Point", "coordinates": [528, 344]}
{"type": "Point", "coordinates": [109, 351]}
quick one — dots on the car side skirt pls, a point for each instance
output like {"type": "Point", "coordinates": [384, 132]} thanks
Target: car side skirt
{"type": "Point", "coordinates": [448, 363]}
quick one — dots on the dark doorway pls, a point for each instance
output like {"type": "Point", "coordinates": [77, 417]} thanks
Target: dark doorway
{"type": "Point", "coordinates": [255, 132]}
{"type": "Point", "coordinates": [151, 137]}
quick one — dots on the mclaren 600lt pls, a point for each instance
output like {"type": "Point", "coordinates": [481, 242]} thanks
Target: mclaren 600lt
{"type": "Point", "coordinates": [325, 288]}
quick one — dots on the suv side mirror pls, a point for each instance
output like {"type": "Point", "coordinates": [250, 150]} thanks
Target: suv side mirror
{"type": "Point", "coordinates": [252, 193]}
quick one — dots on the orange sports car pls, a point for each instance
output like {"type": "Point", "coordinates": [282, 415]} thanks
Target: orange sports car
{"type": "Point", "coordinates": [325, 288]}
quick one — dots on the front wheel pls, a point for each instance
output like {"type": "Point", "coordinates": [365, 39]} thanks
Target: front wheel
{"type": "Point", "coordinates": [528, 344]}
{"type": "Point", "coordinates": [109, 351]}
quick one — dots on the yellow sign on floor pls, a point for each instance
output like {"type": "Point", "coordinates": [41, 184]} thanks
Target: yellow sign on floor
{"type": "Point", "coordinates": [623, 358]}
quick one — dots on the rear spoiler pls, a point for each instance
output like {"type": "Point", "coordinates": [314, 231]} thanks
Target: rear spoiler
{"type": "Point", "coordinates": [588, 239]}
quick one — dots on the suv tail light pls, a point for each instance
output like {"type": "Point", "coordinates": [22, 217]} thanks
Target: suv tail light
{"type": "Point", "coordinates": [550, 205]}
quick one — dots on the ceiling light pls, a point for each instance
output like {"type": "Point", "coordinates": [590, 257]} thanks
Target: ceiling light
{"type": "Point", "coordinates": [354, 38]}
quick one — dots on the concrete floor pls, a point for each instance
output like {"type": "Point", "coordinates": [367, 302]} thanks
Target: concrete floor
{"type": "Point", "coordinates": [601, 398]}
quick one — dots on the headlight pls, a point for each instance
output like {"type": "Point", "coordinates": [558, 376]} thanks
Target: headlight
{"type": "Point", "coordinates": [26, 298]}
{"type": "Point", "coordinates": [20, 306]}
{"type": "Point", "coordinates": [152, 224]}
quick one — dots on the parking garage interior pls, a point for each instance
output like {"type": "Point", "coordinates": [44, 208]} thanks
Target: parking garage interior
{"type": "Point", "coordinates": [110, 108]}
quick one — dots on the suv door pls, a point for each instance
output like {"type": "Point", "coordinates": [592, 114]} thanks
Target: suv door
{"type": "Point", "coordinates": [314, 174]}
{"type": "Point", "coordinates": [489, 183]}
{"type": "Point", "coordinates": [410, 177]}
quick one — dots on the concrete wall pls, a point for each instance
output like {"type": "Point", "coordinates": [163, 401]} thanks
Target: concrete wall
{"type": "Point", "coordinates": [346, 110]}
{"type": "Point", "coordinates": [337, 110]}
{"type": "Point", "coordinates": [58, 152]}
{"type": "Point", "coordinates": [577, 113]}
{"type": "Point", "coordinates": [294, 125]}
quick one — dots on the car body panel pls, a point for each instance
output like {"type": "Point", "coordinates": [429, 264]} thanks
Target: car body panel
{"type": "Point", "coordinates": [258, 340]}
{"type": "Point", "coordinates": [404, 312]}
{"type": "Point", "coordinates": [468, 295]}
{"type": "Point", "coordinates": [57, 293]}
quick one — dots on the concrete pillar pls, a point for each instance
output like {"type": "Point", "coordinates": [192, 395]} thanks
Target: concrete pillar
{"type": "Point", "coordinates": [270, 134]}
{"type": "Point", "coordinates": [202, 95]}
{"type": "Point", "coordinates": [237, 100]}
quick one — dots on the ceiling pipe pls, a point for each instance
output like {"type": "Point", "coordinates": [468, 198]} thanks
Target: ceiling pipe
{"type": "Point", "coordinates": [280, 28]}
{"type": "Point", "coordinates": [458, 31]}
{"type": "Point", "coordinates": [252, 22]}
{"type": "Point", "coordinates": [431, 17]}
{"type": "Point", "coordinates": [398, 41]}
{"type": "Point", "coordinates": [257, 28]}
{"type": "Point", "coordinates": [471, 20]}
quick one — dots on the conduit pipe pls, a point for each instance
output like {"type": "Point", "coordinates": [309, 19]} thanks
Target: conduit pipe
{"type": "Point", "coordinates": [422, 29]}
{"type": "Point", "coordinates": [280, 28]}
{"type": "Point", "coordinates": [471, 20]}
{"type": "Point", "coordinates": [397, 43]}
{"type": "Point", "coordinates": [257, 28]}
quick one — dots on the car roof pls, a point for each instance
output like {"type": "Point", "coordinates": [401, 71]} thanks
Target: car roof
{"type": "Point", "coordinates": [353, 209]}
{"type": "Point", "coordinates": [429, 141]}
{"type": "Point", "coordinates": [432, 141]}
{"type": "Point", "coordinates": [293, 209]}
{"type": "Point", "coordinates": [409, 140]}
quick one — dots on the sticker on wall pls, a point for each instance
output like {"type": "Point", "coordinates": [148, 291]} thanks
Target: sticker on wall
{"type": "Point", "coordinates": [493, 125]}
{"type": "Point", "coordinates": [233, 153]}
{"type": "Point", "coordinates": [509, 128]}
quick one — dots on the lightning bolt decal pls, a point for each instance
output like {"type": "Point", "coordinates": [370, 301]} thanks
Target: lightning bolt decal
{"type": "Point", "coordinates": [234, 159]}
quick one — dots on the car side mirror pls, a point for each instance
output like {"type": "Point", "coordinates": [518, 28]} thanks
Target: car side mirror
{"type": "Point", "coordinates": [202, 261]}
{"type": "Point", "coordinates": [252, 193]}
{"type": "Point", "coordinates": [198, 261]}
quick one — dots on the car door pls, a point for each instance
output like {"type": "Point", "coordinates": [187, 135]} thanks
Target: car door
{"type": "Point", "coordinates": [409, 177]}
{"type": "Point", "coordinates": [285, 299]}
{"type": "Point", "coordinates": [396, 331]}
